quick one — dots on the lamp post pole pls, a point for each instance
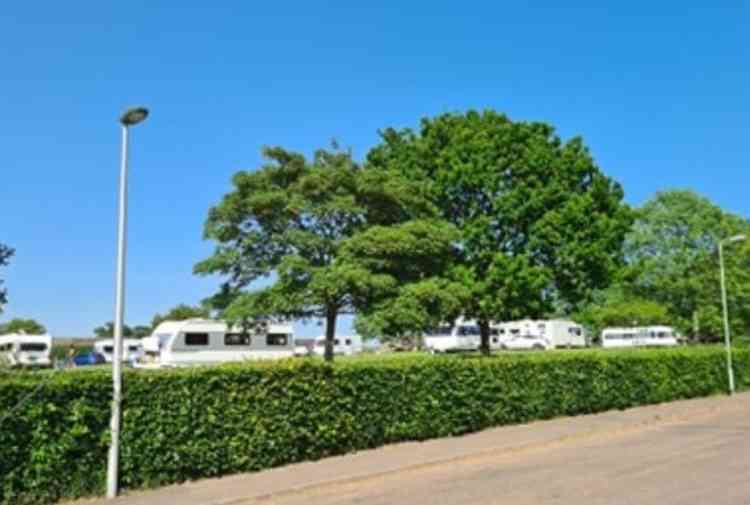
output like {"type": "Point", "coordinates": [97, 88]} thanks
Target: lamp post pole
{"type": "Point", "coordinates": [725, 309]}
{"type": "Point", "coordinates": [130, 118]}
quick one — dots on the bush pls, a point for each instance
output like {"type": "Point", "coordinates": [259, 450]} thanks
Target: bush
{"type": "Point", "coordinates": [187, 424]}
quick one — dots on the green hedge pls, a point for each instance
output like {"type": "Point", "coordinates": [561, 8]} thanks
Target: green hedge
{"type": "Point", "coordinates": [202, 422]}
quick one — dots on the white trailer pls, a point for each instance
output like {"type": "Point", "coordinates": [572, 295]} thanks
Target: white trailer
{"type": "Point", "coordinates": [26, 351]}
{"type": "Point", "coordinates": [204, 341]}
{"type": "Point", "coordinates": [132, 349]}
{"type": "Point", "coordinates": [463, 335]}
{"type": "Point", "coordinates": [345, 345]}
{"type": "Point", "coordinates": [537, 334]}
{"type": "Point", "coordinates": [640, 336]}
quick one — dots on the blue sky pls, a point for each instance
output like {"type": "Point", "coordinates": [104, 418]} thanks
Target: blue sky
{"type": "Point", "coordinates": [660, 91]}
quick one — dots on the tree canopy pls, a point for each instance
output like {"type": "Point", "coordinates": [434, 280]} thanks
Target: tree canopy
{"type": "Point", "coordinates": [672, 260]}
{"type": "Point", "coordinates": [181, 312]}
{"type": "Point", "coordinates": [540, 225]}
{"type": "Point", "coordinates": [294, 220]}
{"type": "Point", "coordinates": [27, 326]}
{"type": "Point", "coordinates": [5, 254]}
{"type": "Point", "coordinates": [107, 330]}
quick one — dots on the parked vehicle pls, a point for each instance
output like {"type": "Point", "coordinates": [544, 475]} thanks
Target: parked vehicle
{"type": "Point", "coordinates": [346, 345]}
{"type": "Point", "coordinates": [89, 359]}
{"type": "Point", "coordinates": [463, 335]}
{"type": "Point", "coordinates": [652, 336]}
{"type": "Point", "coordinates": [132, 349]}
{"type": "Point", "coordinates": [304, 346]}
{"type": "Point", "coordinates": [537, 334]}
{"type": "Point", "coordinates": [26, 351]}
{"type": "Point", "coordinates": [204, 341]}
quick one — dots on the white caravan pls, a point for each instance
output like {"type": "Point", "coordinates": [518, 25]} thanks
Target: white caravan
{"type": "Point", "coordinates": [203, 341]}
{"type": "Point", "coordinates": [461, 336]}
{"type": "Point", "coordinates": [656, 336]}
{"type": "Point", "coordinates": [132, 349]}
{"type": "Point", "coordinates": [19, 350]}
{"type": "Point", "coordinates": [346, 345]}
{"type": "Point", "coordinates": [537, 334]}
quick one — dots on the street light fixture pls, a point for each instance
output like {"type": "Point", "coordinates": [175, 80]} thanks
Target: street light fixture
{"type": "Point", "coordinates": [130, 118]}
{"type": "Point", "coordinates": [727, 340]}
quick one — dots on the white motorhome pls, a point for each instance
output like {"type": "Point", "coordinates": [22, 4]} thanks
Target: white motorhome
{"type": "Point", "coordinates": [204, 341]}
{"type": "Point", "coordinates": [132, 349]}
{"type": "Point", "coordinates": [463, 335]}
{"type": "Point", "coordinates": [537, 334]}
{"type": "Point", "coordinates": [19, 350]}
{"type": "Point", "coordinates": [346, 345]}
{"type": "Point", "coordinates": [641, 336]}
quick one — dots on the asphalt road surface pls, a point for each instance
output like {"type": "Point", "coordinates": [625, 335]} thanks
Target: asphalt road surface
{"type": "Point", "coordinates": [701, 461]}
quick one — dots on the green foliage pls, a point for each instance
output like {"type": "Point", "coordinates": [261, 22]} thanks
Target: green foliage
{"type": "Point", "coordinates": [181, 312]}
{"type": "Point", "coordinates": [107, 330]}
{"type": "Point", "coordinates": [616, 310]}
{"type": "Point", "coordinates": [672, 260]}
{"type": "Point", "coordinates": [293, 218]}
{"type": "Point", "coordinates": [539, 222]}
{"type": "Point", "coordinates": [187, 424]}
{"type": "Point", "coordinates": [5, 254]}
{"type": "Point", "coordinates": [27, 326]}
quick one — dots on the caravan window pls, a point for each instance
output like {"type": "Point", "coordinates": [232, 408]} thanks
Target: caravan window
{"type": "Point", "coordinates": [237, 339]}
{"type": "Point", "coordinates": [276, 339]}
{"type": "Point", "coordinates": [196, 338]}
{"type": "Point", "coordinates": [494, 332]}
{"type": "Point", "coordinates": [133, 348]}
{"type": "Point", "coordinates": [441, 331]}
{"type": "Point", "coordinates": [468, 330]}
{"type": "Point", "coordinates": [348, 341]}
{"type": "Point", "coordinates": [109, 349]}
{"type": "Point", "coordinates": [6, 347]}
{"type": "Point", "coordinates": [33, 347]}
{"type": "Point", "coordinates": [574, 331]}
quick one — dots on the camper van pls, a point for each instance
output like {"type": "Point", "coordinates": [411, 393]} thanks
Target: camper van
{"type": "Point", "coordinates": [345, 345]}
{"type": "Point", "coordinates": [132, 349]}
{"type": "Point", "coordinates": [655, 336]}
{"type": "Point", "coordinates": [204, 341]}
{"type": "Point", "coordinates": [25, 351]}
{"type": "Point", "coordinates": [529, 334]}
{"type": "Point", "coordinates": [463, 335]}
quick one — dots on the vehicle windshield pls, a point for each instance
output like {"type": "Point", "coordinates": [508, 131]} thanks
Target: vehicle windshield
{"type": "Point", "coordinates": [33, 347]}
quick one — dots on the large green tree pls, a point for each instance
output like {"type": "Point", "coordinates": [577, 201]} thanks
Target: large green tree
{"type": "Point", "coordinates": [672, 259]}
{"type": "Point", "coordinates": [5, 254]}
{"type": "Point", "coordinates": [290, 220]}
{"type": "Point", "coordinates": [541, 226]}
{"type": "Point", "coordinates": [27, 326]}
{"type": "Point", "coordinates": [181, 312]}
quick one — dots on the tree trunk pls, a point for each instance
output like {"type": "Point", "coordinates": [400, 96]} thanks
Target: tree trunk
{"type": "Point", "coordinates": [331, 315]}
{"type": "Point", "coordinates": [484, 334]}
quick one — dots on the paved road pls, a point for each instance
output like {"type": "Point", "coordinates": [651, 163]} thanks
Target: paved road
{"type": "Point", "coordinates": [705, 461]}
{"type": "Point", "coordinates": [687, 453]}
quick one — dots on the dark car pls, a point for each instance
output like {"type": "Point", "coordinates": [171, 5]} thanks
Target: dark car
{"type": "Point", "coordinates": [89, 358]}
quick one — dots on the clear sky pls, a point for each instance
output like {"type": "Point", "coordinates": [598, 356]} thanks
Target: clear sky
{"type": "Point", "coordinates": [660, 91]}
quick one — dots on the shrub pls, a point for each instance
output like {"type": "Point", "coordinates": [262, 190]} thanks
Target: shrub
{"type": "Point", "coordinates": [187, 424]}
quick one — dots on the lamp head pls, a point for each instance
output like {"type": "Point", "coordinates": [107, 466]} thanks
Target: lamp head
{"type": "Point", "coordinates": [134, 116]}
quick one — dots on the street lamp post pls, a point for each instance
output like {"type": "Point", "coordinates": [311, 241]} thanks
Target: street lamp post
{"type": "Point", "coordinates": [130, 118]}
{"type": "Point", "coordinates": [725, 310]}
